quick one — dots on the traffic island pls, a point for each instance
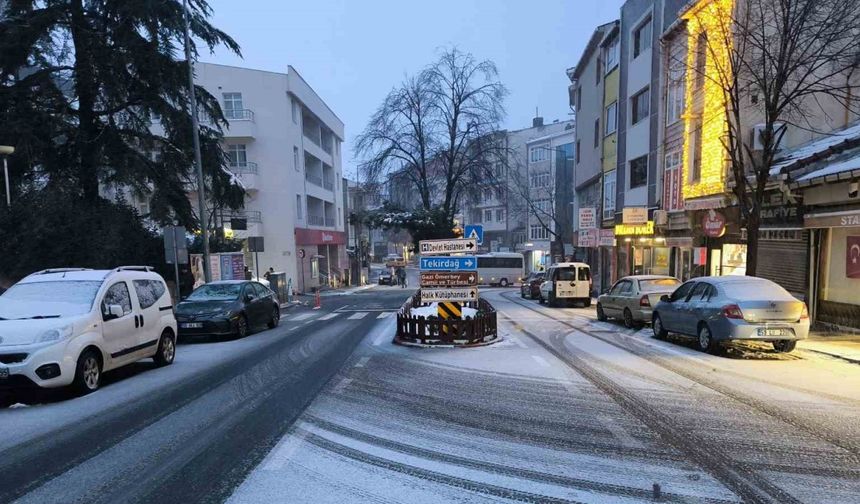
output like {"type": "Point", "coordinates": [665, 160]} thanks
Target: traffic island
{"type": "Point", "coordinates": [437, 324]}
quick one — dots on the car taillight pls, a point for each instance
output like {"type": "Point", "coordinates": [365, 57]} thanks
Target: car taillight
{"type": "Point", "coordinates": [644, 301]}
{"type": "Point", "coordinates": [804, 315]}
{"type": "Point", "coordinates": [733, 311]}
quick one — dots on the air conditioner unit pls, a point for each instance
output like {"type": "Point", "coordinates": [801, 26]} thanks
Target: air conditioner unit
{"type": "Point", "coordinates": [661, 217]}
{"type": "Point", "coordinates": [757, 130]}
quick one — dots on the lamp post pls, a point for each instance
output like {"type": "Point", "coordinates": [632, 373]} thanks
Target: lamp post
{"type": "Point", "coordinates": [6, 151]}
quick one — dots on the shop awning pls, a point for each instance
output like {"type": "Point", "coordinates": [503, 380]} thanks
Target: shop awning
{"type": "Point", "coordinates": [849, 218]}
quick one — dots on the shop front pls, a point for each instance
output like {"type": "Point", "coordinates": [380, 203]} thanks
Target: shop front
{"type": "Point", "coordinates": [606, 258]}
{"type": "Point", "coordinates": [639, 251]}
{"type": "Point", "coordinates": [783, 247]}
{"type": "Point", "coordinates": [321, 258]}
{"type": "Point", "coordinates": [835, 276]}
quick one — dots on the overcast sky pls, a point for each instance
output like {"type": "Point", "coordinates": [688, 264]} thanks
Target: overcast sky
{"type": "Point", "coordinates": [352, 52]}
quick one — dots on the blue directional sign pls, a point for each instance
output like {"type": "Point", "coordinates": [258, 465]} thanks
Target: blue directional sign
{"type": "Point", "coordinates": [475, 231]}
{"type": "Point", "coordinates": [445, 263]}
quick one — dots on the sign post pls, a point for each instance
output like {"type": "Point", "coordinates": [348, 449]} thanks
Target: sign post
{"type": "Point", "coordinates": [175, 251]}
{"type": "Point", "coordinates": [256, 245]}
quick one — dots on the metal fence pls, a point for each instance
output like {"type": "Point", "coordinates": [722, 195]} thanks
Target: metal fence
{"type": "Point", "coordinates": [482, 328]}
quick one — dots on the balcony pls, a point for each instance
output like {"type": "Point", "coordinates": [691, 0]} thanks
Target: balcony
{"type": "Point", "coordinates": [314, 179]}
{"type": "Point", "coordinates": [248, 174]}
{"type": "Point", "coordinates": [329, 222]}
{"type": "Point", "coordinates": [316, 220]}
{"type": "Point", "coordinates": [329, 184]}
{"type": "Point", "coordinates": [252, 216]}
{"type": "Point", "coordinates": [242, 124]}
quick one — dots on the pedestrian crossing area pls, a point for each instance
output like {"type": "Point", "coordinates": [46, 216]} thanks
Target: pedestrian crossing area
{"type": "Point", "coordinates": [347, 315]}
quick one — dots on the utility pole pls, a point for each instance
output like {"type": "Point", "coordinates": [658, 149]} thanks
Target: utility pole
{"type": "Point", "coordinates": [6, 151]}
{"type": "Point", "coordinates": [198, 163]}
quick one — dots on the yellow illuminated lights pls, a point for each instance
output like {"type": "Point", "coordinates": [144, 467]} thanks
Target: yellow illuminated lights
{"type": "Point", "coordinates": [712, 17]}
{"type": "Point", "coordinates": [635, 229]}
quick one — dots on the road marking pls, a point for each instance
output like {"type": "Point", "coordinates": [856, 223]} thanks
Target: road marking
{"type": "Point", "coordinates": [338, 389]}
{"type": "Point", "coordinates": [540, 360]}
{"type": "Point", "coordinates": [361, 362]}
{"type": "Point", "coordinates": [328, 316]}
{"type": "Point", "coordinates": [285, 450]}
{"type": "Point", "coordinates": [620, 433]}
{"type": "Point", "coordinates": [356, 316]}
{"type": "Point", "coordinates": [379, 339]}
{"type": "Point", "coordinates": [384, 314]}
{"type": "Point", "coordinates": [303, 316]}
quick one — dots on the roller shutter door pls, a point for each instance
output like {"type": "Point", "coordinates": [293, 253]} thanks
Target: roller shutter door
{"type": "Point", "coordinates": [786, 262]}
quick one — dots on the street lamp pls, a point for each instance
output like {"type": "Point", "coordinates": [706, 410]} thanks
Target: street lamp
{"type": "Point", "coordinates": [6, 151]}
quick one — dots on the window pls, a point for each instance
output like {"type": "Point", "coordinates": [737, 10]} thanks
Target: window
{"type": "Point", "coordinates": [597, 70]}
{"type": "Point", "coordinates": [698, 291]}
{"type": "Point", "coordinates": [500, 215]}
{"type": "Point", "coordinates": [578, 98]}
{"type": "Point", "coordinates": [675, 92]}
{"type": "Point", "coordinates": [299, 215]}
{"type": "Point", "coordinates": [640, 105]}
{"type": "Point", "coordinates": [538, 232]}
{"type": "Point", "coordinates": [148, 292]}
{"type": "Point", "coordinates": [261, 289]}
{"type": "Point", "coordinates": [577, 152]}
{"type": "Point", "coordinates": [537, 180]}
{"type": "Point", "coordinates": [488, 216]}
{"type": "Point", "coordinates": [543, 206]}
{"type": "Point", "coordinates": [499, 262]}
{"type": "Point", "coordinates": [315, 267]}
{"type": "Point", "coordinates": [295, 110]}
{"type": "Point", "coordinates": [609, 195]}
{"type": "Point", "coordinates": [233, 105]}
{"type": "Point", "coordinates": [696, 154]}
{"type": "Point", "coordinates": [117, 295]}
{"type": "Point", "coordinates": [639, 172]}
{"type": "Point", "coordinates": [596, 133]}
{"type": "Point", "coordinates": [583, 274]}
{"type": "Point", "coordinates": [701, 58]}
{"type": "Point", "coordinates": [612, 56]}
{"type": "Point", "coordinates": [611, 120]}
{"type": "Point", "coordinates": [237, 155]}
{"type": "Point", "coordinates": [642, 37]}
{"type": "Point", "coordinates": [339, 217]}
{"type": "Point", "coordinates": [672, 181]}
{"type": "Point", "coordinates": [488, 195]}
{"type": "Point", "coordinates": [296, 158]}
{"type": "Point", "coordinates": [682, 291]}
{"type": "Point", "coordinates": [539, 153]}
{"type": "Point", "coordinates": [499, 171]}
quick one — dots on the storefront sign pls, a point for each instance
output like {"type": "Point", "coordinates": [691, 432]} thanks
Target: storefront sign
{"type": "Point", "coordinates": [606, 238]}
{"type": "Point", "coordinates": [634, 215]}
{"type": "Point", "coordinates": [852, 260]}
{"type": "Point", "coordinates": [319, 237]}
{"type": "Point", "coordinates": [587, 238]}
{"type": "Point", "coordinates": [779, 211]}
{"type": "Point", "coordinates": [646, 229]}
{"type": "Point", "coordinates": [705, 203]}
{"type": "Point", "coordinates": [713, 224]}
{"type": "Point", "coordinates": [587, 218]}
{"type": "Point", "coordinates": [682, 242]}
{"type": "Point", "coordinates": [835, 219]}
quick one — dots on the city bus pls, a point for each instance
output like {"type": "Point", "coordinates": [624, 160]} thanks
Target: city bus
{"type": "Point", "coordinates": [500, 268]}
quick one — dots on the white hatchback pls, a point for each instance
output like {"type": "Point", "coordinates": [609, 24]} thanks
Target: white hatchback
{"type": "Point", "coordinates": [65, 327]}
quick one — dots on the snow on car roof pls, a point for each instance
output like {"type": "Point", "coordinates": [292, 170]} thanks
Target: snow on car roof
{"type": "Point", "coordinates": [65, 276]}
{"type": "Point", "coordinates": [649, 277]}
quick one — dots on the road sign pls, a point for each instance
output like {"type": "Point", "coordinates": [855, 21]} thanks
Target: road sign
{"type": "Point", "coordinates": [256, 244]}
{"type": "Point", "coordinates": [465, 263]}
{"type": "Point", "coordinates": [441, 247]}
{"type": "Point", "coordinates": [443, 294]}
{"type": "Point", "coordinates": [448, 279]}
{"type": "Point", "coordinates": [474, 231]}
{"type": "Point", "coordinates": [449, 310]}
{"type": "Point", "coordinates": [175, 245]}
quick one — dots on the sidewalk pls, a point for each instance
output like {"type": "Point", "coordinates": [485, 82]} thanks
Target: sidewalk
{"type": "Point", "coordinates": [845, 347]}
{"type": "Point", "coordinates": [345, 291]}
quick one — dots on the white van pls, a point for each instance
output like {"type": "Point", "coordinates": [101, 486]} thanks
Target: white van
{"type": "Point", "coordinates": [566, 282]}
{"type": "Point", "coordinates": [63, 327]}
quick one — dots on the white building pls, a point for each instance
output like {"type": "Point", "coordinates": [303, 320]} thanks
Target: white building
{"type": "Point", "coordinates": [284, 142]}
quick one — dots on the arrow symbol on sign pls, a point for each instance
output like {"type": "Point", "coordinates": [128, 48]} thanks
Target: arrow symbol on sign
{"type": "Point", "coordinates": [471, 278]}
{"type": "Point", "coordinates": [469, 262]}
{"type": "Point", "coordinates": [472, 294]}
{"type": "Point", "coordinates": [469, 245]}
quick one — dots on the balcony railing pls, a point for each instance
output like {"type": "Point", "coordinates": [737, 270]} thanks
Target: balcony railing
{"type": "Point", "coordinates": [328, 184]}
{"type": "Point", "coordinates": [329, 222]}
{"type": "Point", "coordinates": [253, 216]}
{"type": "Point", "coordinates": [316, 220]}
{"type": "Point", "coordinates": [246, 167]}
{"type": "Point", "coordinates": [314, 179]}
{"type": "Point", "coordinates": [239, 114]}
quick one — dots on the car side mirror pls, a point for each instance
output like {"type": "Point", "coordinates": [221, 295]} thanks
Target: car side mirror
{"type": "Point", "coordinates": [665, 297]}
{"type": "Point", "coordinates": [114, 311]}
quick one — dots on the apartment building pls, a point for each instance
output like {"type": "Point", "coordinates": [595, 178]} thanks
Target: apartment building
{"type": "Point", "coordinates": [284, 145]}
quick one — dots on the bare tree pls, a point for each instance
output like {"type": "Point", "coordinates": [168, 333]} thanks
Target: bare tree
{"type": "Point", "coordinates": [537, 196]}
{"type": "Point", "coordinates": [436, 129]}
{"type": "Point", "coordinates": [777, 63]}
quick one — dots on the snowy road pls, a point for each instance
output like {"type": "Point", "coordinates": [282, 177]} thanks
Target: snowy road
{"type": "Point", "coordinates": [571, 409]}
{"type": "Point", "coordinates": [325, 409]}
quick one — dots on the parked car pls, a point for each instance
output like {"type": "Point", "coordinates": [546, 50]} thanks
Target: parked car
{"type": "Point", "coordinates": [632, 297]}
{"type": "Point", "coordinates": [566, 282]}
{"type": "Point", "coordinates": [61, 327]}
{"type": "Point", "coordinates": [227, 308]}
{"type": "Point", "coordinates": [530, 287]}
{"type": "Point", "coordinates": [719, 309]}
{"type": "Point", "coordinates": [386, 278]}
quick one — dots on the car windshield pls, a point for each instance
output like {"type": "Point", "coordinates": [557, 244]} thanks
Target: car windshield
{"type": "Point", "coordinates": [216, 292]}
{"type": "Point", "coordinates": [54, 299]}
{"type": "Point", "coordinates": [658, 284]}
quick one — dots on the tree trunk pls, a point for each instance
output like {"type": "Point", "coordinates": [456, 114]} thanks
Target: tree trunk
{"type": "Point", "coordinates": [86, 89]}
{"type": "Point", "coordinates": [753, 225]}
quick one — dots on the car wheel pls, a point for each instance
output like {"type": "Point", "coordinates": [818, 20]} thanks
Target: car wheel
{"type": "Point", "coordinates": [586, 303]}
{"type": "Point", "coordinates": [241, 329]}
{"type": "Point", "coordinates": [784, 346]}
{"type": "Point", "coordinates": [601, 316]}
{"type": "Point", "coordinates": [629, 323]}
{"type": "Point", "coordinates": [553, 302]}
{"type": "Point", "coordinates": [706, 340]}
{"type": "Point", "coordinates": [659, 331]}
{"type": "Point", "coordinates": [88, 372]}
{"type": "Point", "coordinates": [166, 350]}
{"type": "Point", "coordinates": [503, 282]}
{"type": "Point", "coordinates": [276, 317]}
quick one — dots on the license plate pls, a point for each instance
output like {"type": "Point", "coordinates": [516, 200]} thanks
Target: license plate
{"type": "Point", "coordinates": [771, 332]}
{"type": "Point", "coordinates": [4, 373]}
{"type": "Point", "coordinates": [192, 325]}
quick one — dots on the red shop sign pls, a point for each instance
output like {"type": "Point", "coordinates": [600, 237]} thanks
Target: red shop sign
{"type": "Point", "coordinates": [319, 237]}
{"type": "Point", "coordinates": [713, 224]}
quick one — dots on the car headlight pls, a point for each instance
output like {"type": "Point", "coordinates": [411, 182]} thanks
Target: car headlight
{"type": "Point", "coordinates": [224, 314]}
{"type": "Point", "coordinates": [56, 334]}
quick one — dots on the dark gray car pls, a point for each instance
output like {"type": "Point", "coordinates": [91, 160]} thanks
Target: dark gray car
{"type": "Point", "coordinates": [717, 309]}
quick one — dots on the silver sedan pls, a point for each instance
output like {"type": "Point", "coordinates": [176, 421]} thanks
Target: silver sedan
{"type": "Point", "coordinates": [717, 309]}
{"type": "Point", "coordinates": [632, 297]}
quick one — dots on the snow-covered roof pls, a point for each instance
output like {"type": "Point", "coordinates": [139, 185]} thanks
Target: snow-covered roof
{"type": "Point", "coordinates": [815, 149]}
{"type": "Point", "coordinates": [844, 165]}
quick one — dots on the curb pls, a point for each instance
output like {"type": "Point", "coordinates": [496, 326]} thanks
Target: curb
{"type": "Point", "coordinates": [398, 341]}
{"type": "Point", "coordinates": [852, 360]}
